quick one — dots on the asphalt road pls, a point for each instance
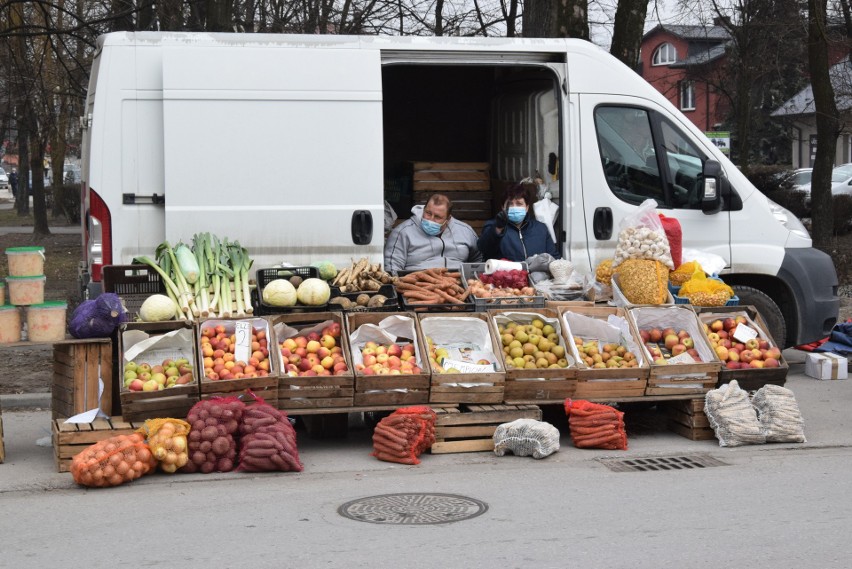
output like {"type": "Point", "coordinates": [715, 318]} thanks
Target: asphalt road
{"type": "Point", "coordinates": [780, 505]}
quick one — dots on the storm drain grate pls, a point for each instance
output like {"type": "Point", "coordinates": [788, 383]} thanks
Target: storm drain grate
{"type": "Point", "coordinates": [645, 464]}
{"type": "Point", "coordinates": [413, 509]}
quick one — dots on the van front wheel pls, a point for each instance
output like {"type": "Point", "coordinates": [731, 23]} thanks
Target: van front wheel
{"type": "Point", "coordinates": [768, 310]}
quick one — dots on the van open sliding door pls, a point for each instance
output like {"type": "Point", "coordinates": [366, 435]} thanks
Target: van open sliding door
{"type": "Point", "coordinates": [276, 144]}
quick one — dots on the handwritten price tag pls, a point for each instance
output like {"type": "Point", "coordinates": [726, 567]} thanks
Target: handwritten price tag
{"type": "Point", "coordinates": [242, 341]}
{"type": "Point", "coordinates": [744, 333]}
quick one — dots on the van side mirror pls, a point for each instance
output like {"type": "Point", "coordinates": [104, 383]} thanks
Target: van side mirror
{"type": "Point", "coordinates": [711, 199]}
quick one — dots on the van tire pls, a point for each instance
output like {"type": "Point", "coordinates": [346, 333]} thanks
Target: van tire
{"type": "Point", "coordinates": [768, 310]}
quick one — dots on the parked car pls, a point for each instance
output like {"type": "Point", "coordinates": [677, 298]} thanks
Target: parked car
{"type": "Point", "coordinates": [841, 183]}
{"type": "Point", "coordinates": [4, 180]}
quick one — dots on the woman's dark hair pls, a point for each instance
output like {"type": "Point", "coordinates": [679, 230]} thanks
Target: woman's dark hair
{"type": "Point", "coordinates": [526, 191]}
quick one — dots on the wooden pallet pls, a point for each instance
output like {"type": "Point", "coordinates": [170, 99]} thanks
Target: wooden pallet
{"type": "Point", "coordinates": [76, 369]}
{"type": "Point", "coordinates": [687, 419]}
{"type": "Point", "coordinates": [467, 184]}
{"type": "Point", "coordinates": [71, 439]}
{"type": "Point", "coordinates": [471, 428]}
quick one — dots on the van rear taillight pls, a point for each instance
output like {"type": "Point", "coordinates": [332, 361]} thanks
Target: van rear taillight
{"type": "Point", "coordinates": [99, 237]}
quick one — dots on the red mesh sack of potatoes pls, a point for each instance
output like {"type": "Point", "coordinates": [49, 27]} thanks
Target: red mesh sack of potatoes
{"type": "Point", "coordinates": [595, 426]}
{"type": "Point", "coordinates": [674, 234]}
{"type": "Point", "coordinates": [211, 442]}
{"type": "Point", "coordinates": [404, 435]}
{"type": "Point", "coordinates": [267, 440]}
{"type": "Point", "coordinates": [113, 461]}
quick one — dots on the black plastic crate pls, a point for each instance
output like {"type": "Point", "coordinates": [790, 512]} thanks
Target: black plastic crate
{"type": "Point", "coordinates": [473, 270]}
{"type": "Point", "coordinates": [388, 290]}
{"type": "Point", "coordinates": [266, 276]}
{"type": "Point", "coordinates": [133, 284]}
{"type": "Point", "coordinates": [466, 306]}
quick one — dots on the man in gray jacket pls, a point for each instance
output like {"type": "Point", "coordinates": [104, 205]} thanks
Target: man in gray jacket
{"type": "Point", "coordinates": [431, 238]}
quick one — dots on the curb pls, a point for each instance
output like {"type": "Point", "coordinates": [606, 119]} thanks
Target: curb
{"type": "Point", "coordinates": [25, 400]}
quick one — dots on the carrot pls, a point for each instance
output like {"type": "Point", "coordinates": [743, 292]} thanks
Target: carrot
{"type": "Point", "coordinates": [579, 431]}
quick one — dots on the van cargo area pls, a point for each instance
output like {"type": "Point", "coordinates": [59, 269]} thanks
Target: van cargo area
{"type": "Point", "coordinates": [466, 131]}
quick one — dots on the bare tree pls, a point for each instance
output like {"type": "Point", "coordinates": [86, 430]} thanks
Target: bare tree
{"type": "Point", "coordinates": [628, 31]}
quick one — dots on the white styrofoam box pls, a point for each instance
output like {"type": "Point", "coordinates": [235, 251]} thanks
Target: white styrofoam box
{"type": "Point", "coordinates": [826, 365]}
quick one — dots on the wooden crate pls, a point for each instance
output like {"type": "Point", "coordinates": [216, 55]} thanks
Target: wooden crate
{"type": "Point", "coordinates": [471, 428]}
{"type": "Point", "coordinates": [441, 391]}
{"type": "Point", "coordinates": [610, 382]}
{"type": "Point", "coordinates": [171, 402]}
{"type": "Point", "coordinates": [77, 365]}
{"type": "Point", "coordinates": [467, 184]}
{"type": "Point", "coordinates": [749, 379]}
{"type": "Point", "coordinates": [313, 392]}
{"type": "Point", "coordinates": [373, 390]}
{"type": "Point", "coordinates": [687, 419]}
{"type": "Point", "coordinates": [71, 439]}
{"type": "Point", "coordinates": [538, 386]}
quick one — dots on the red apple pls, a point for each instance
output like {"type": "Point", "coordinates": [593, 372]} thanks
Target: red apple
{"type": "Point", "coordinates": [746, 356]}
{"type": "Point", "coordinates": [683, 334]}
{"type": "Point", "coordinates": [671, 340]}
{"type": "Point", "coordinates": [752, 344]}
{"type": "Point", "coordinates": [771, 362]}
{"type": "Point", "coordinates": [763, 344]}
{"type": "Point", "coordinates": [678, 349]}
{"type": "Point", "coordinates": [645, 336]}
{"type": "Point", "coordinates": [732, 364]}
{"type": "Point", "coordinates": [136, 385]}
{"type": "Point", "coordinates": [655, 334]}
{"type": "Point", "coordinates": [733, 355]}
{"type": "Point", "coordinates": [774, 353]}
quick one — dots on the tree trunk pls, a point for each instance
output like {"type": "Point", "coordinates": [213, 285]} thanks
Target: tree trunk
{"type": "Point", "coordinates": [22, 200]}
{"type": "Point", "coordinates": [827, 124]}
{"type": "Point", "coordinates": [40, 226]}
{"type": "Point", "coordinates": [628, 30]}
{"type": "Point", "coordinates": [539, 19]}
{"type": "Point", "coordinates": [572, 19]}
{"type": "Point", "coordinates": [439, 17]}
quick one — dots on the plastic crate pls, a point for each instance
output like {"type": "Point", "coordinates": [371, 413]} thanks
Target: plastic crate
{"type": "Point", "coordinates": [266, 276]}
{"type": "Point", "coordinates": [398, 189]}
{"type": "Point", "coordinates": [466, 306]}
{"type": "Point", "coordinates": [473, 270]}
{"type": "Point", "coordinates": [388, 290]}
{"type": "Point", "coordinates": [133, 284]}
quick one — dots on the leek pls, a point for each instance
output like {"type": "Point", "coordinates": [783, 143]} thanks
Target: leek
{"type": "Point", "coordinates": [171, 286]}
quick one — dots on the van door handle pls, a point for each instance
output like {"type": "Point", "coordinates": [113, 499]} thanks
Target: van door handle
{"type": "Point", "coordinates": [602, 223]}
{"type": "Point", "coordinates": [362, 227]}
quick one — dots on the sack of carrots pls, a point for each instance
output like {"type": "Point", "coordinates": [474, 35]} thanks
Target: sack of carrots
{"type": "Point", "coordinates": [595, 426]}
{"type": "Point", "coordinates": [403, 435]}
{"type": "Point", "coordinates": [432, 286]}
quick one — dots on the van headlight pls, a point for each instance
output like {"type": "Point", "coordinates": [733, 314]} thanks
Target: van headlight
{"type": "Point", "coordinates": [788, 220]}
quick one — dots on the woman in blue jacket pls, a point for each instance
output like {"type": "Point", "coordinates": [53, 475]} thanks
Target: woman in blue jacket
{"type": "Point", "coordinates": [515, 233]}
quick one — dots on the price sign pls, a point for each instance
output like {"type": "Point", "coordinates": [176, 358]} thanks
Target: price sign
{"type": "Point", "coordinates": [744, 333]}
{"type": "Point", "coordinates": [242, 341]}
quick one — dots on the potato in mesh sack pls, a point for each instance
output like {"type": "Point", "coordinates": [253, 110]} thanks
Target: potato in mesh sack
{"type": "Point", "coordinates": [404, 435]}
{"type": "Point", "coordinates": [684, 272]}
{"type": "Point", "coordinates": [211, 441]}
{"type": "Point", "coordinates": [703, 291]}
{"type": "Point", "coordinates": [643, 281]}
{"type": "Point", "coordinates": [603, 272]}
{"type": "Point", "coordinates": [268, 442]}
{"type": "Point", "coordinates": [526, 437]}
{"type": "Point", "coordinates": [113, 461]}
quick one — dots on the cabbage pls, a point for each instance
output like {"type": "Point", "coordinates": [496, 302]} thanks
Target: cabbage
{"type": "Point", "coordinates": [327, 270]}
{"type": "Point", "coordinates": [157, 308]}
{"type": "Point", "coordinates": [97, 318]}
{"type": "Point", "coordinates": [279, 292]}
{"type": "Point", "coordinates": [313, 292]}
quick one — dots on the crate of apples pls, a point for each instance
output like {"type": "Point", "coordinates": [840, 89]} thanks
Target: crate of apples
{"type": "Point", "coordinates": [663, 344]}
{"type": "Point", "coordinates": [314, 353]}
{"type": "Point", "coordinates": [217, 352]}
{"type": "Point", "coordinates": [146, 377]}
{"type": "Point", "coordinates": [609, 355]}
{"type": "Point", "coordinates": [388, 359]}
{"type": "Point", "coordinates": [755, 353]}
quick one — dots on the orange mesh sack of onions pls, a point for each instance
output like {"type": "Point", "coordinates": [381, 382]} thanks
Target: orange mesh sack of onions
{"type": "Point", "coordinates": [167, 440]}
{"type": "Point", "coordinates": [113, 461]}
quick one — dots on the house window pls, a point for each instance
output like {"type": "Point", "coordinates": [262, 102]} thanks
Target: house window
{"type": "Point", "coordinates": [687, 96]}
{"type": "Point", "coordinates": [665, 55]}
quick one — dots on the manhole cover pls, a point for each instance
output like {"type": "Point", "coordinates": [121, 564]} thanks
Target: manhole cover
{"type": "Point", "coordinates": [684, 462]}
{"type": "Point", "coordinates": [413, 509]}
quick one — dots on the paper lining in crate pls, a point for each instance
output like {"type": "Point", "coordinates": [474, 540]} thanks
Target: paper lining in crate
{"type": "Point", "coordinates": [536, 385]}
{"type": "Point", "coordinates": [371, 331]}
{"type": "Point", "coordinates": [604, 325]}
{"type": "Point", "coordinates": [330, 384]}
{"type": "Point", "coordinates": [469, 342]}
{"type": "Point", "coordinates": [753, 327]}
{"type": "Point", "coordinates": [681, 374]}
{"type": "Point", "coordinates": [247, 338]}
{"type": "Point", "coordinates": [152, 345]}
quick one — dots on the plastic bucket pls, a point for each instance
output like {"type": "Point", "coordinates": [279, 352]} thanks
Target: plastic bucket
{"type": "Point", "coordinates": [25, 261]}
{"type": "Point", "coordinates": [24, 291]}
{"type": "Point", "coordinates": [46, 321]}
{"type": "Point", "coordinates": [10, 324]}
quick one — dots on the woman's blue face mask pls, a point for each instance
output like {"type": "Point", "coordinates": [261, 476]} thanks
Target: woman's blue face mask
{"type": "Point", "coordinates": [516, 214]}
{"type": "Point", "coordinates": [430, 227]}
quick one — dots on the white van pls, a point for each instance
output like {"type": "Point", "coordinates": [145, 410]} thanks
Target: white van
{"type": "Point", "coordinates": [282, 142]}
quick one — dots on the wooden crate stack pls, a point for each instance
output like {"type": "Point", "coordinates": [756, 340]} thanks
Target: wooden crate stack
{"type": "Point", "coordinates": [687, 418]}
{"type": "Point", "coordinates": [471, 427]}
{"type": "Point", "coordinates": [69, 439]}
{"type": "Point", "coordinates": [467, 184]}
{"type": "Point", "coordinates": [77, 365]}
